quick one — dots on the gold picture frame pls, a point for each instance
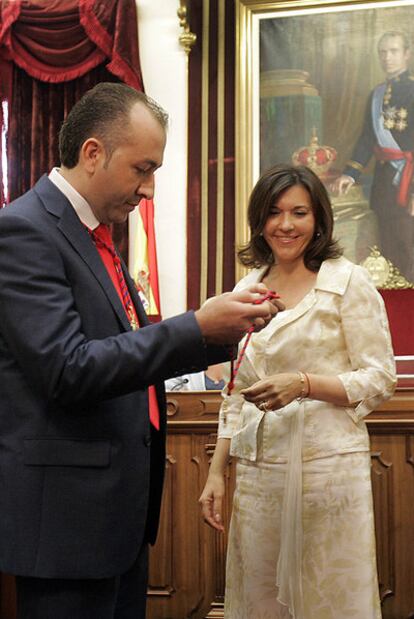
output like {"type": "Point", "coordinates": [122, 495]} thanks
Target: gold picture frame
{"type": "Point", "coordinates": [324, 52]}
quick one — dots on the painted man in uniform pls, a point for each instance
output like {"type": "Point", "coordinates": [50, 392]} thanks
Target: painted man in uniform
{"type": "Point", "coordinates": [388, 134]}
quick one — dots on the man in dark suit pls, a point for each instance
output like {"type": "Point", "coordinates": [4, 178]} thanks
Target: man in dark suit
{"type": "Point", "coordinates": [388, 134]}
{"type": "Point", "coordinates": [81, 464]}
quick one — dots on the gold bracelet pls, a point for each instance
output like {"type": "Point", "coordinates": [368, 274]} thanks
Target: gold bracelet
{"type": "Point", "coordinates": [308, 385]}
{"type": "Point", "coordinates": [302, 386]}
{"type": "Point", "coordinates": [305, 386]}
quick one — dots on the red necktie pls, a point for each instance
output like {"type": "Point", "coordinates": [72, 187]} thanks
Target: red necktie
{"type": "Point", "coordinates": [105, 246]}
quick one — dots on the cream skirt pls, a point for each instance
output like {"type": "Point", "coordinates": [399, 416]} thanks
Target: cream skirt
{"type": "Point", "coordinates": [339, 574]}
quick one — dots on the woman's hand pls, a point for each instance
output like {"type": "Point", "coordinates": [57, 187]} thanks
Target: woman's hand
{"type": "Point", "coordinates": [274, 392]}
{"type": "Point", "coordinates": [211, 501]}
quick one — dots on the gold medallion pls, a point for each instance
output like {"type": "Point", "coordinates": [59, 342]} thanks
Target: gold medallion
{"type": "Point", "coordinates": [401, 125]}
{"type": "Point", "coordinates": [132, 320]}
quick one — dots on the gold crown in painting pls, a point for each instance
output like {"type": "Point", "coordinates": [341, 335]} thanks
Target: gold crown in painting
{"type": "Point", "coordinates": [316, 157]}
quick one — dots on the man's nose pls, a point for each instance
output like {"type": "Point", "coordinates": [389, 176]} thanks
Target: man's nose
{"type": "Point", "coordinates": [146, 187]}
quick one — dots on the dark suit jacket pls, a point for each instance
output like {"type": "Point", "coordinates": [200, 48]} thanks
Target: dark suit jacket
{"type": "Point", "coordinates": [81, 470]}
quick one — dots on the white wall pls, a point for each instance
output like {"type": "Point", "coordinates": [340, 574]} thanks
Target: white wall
{"type": "Point", "coordinates": [164, 69]}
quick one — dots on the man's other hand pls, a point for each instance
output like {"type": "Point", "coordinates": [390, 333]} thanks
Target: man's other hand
{"type": "Point", "coordinates": [226, 318]}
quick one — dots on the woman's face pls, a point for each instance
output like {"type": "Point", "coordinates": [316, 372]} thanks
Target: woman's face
{"type": "Point", "coordinates": [290, 225]}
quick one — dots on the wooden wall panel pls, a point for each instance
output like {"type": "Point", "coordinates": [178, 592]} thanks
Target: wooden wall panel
{"type": "Point", "coordinates": [393, 485]}
{"type": "Point", "coordinates": [196, 584]}
{"type": "Point", "coordinates": [391, 428]}
{"type": "Point", "coordinates": [7, 597]}
{"type": "Point", "coordinates": [187, 565]}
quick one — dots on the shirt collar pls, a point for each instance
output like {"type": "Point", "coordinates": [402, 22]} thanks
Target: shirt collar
{"type": "Point", "coordinates": [81, 206]}
{"type": "Point", "coordinates": [334, 274]}
{"type": "Point", "coordinates": [397, 78]}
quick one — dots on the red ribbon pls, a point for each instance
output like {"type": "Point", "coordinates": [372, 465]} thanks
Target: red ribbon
{"type": "Point", "coordinates": [234, 368]}
{"type": "Point", "coordinates": [393, 154]}
{"type": "Point", "coordinates": [103, 240]}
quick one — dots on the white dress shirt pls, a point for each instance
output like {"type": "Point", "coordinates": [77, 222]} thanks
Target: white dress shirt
{"type": "Point", "coordinates": [81, 206]}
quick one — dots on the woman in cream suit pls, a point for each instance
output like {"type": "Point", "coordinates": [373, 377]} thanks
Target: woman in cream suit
{"type": "Point", "coordinates": [301, 540]}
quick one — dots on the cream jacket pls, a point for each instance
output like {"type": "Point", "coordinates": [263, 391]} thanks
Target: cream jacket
{"type": "Point", "coordinates": [339, 328]}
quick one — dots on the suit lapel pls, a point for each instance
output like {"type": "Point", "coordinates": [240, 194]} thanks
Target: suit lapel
{"type": "Point", "coordinates": [301, 308]}
{"type": "Point", "coordinates": [282, 321]}
{"type": "Point", "coordinates": [255, 358]}
{"type": "Point", "coordinates": [333, 277]}
{"type": "Point", "coordinates": [77, 235]}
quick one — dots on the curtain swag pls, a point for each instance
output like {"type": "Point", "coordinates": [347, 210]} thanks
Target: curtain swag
{"type": "Point", "coordinates": [61, 40]}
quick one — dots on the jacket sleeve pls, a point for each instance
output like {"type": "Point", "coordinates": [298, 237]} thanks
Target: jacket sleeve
{"type": "Point", "coordinates": [42, 332]}
{"type": "Point", "coordinates": [364, 147]}
{"type": "Point", "coordinates": [367, 337]}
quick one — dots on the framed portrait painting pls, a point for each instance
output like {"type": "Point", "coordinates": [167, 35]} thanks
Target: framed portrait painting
{"type": "Point", "coordinates": [330, 84]}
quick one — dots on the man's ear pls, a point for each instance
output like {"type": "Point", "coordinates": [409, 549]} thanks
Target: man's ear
{"type": "Point", "coordinates": [91, 153]}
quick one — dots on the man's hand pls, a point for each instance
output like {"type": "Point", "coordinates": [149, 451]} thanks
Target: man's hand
{"type": "Point", "coordinates": [226, 318]}
{"type": "Point", "coordinates": [342, 184]}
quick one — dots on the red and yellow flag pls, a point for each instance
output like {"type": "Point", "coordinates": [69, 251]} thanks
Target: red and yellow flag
{"type": "Point", "coordinates": [143, 260]}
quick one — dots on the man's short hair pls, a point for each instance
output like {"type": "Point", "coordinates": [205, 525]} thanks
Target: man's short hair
{"type": "Point", "coordinates": [391, 34]}
{"type": "Point", "coordinates": [103, 112]}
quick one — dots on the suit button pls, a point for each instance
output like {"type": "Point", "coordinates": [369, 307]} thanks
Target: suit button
{"type": "Point", "coordinates": [147, 441]}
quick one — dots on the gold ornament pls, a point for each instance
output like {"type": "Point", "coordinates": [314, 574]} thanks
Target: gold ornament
{"type": "Point", "coordinates": [383, 273]}
{"type": "Point", "coordinates": [318, 158]}
{"type": "Point", "coordinates": [388, 123]}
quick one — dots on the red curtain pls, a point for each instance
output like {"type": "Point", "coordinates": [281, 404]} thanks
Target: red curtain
{"type": "Point", "coordinates": [400, 310]}
{"type": "Point", "coordinates": [60, 40]}
{"type": "Point", "coordinates": [51, 52]}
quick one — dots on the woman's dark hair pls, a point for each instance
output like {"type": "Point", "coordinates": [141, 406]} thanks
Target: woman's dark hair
{"type": "Point", "coordinates": [265, 195]}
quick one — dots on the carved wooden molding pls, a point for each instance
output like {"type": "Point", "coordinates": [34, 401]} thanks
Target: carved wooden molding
{"type": "Point", "coordinates": [409, 449]}
{"type": "Point", "coordinates": [383, 486]}
{"type": "Point", "coordinates": [198, 411]}
{"type": "Point", "coordinates": [216, 611]}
